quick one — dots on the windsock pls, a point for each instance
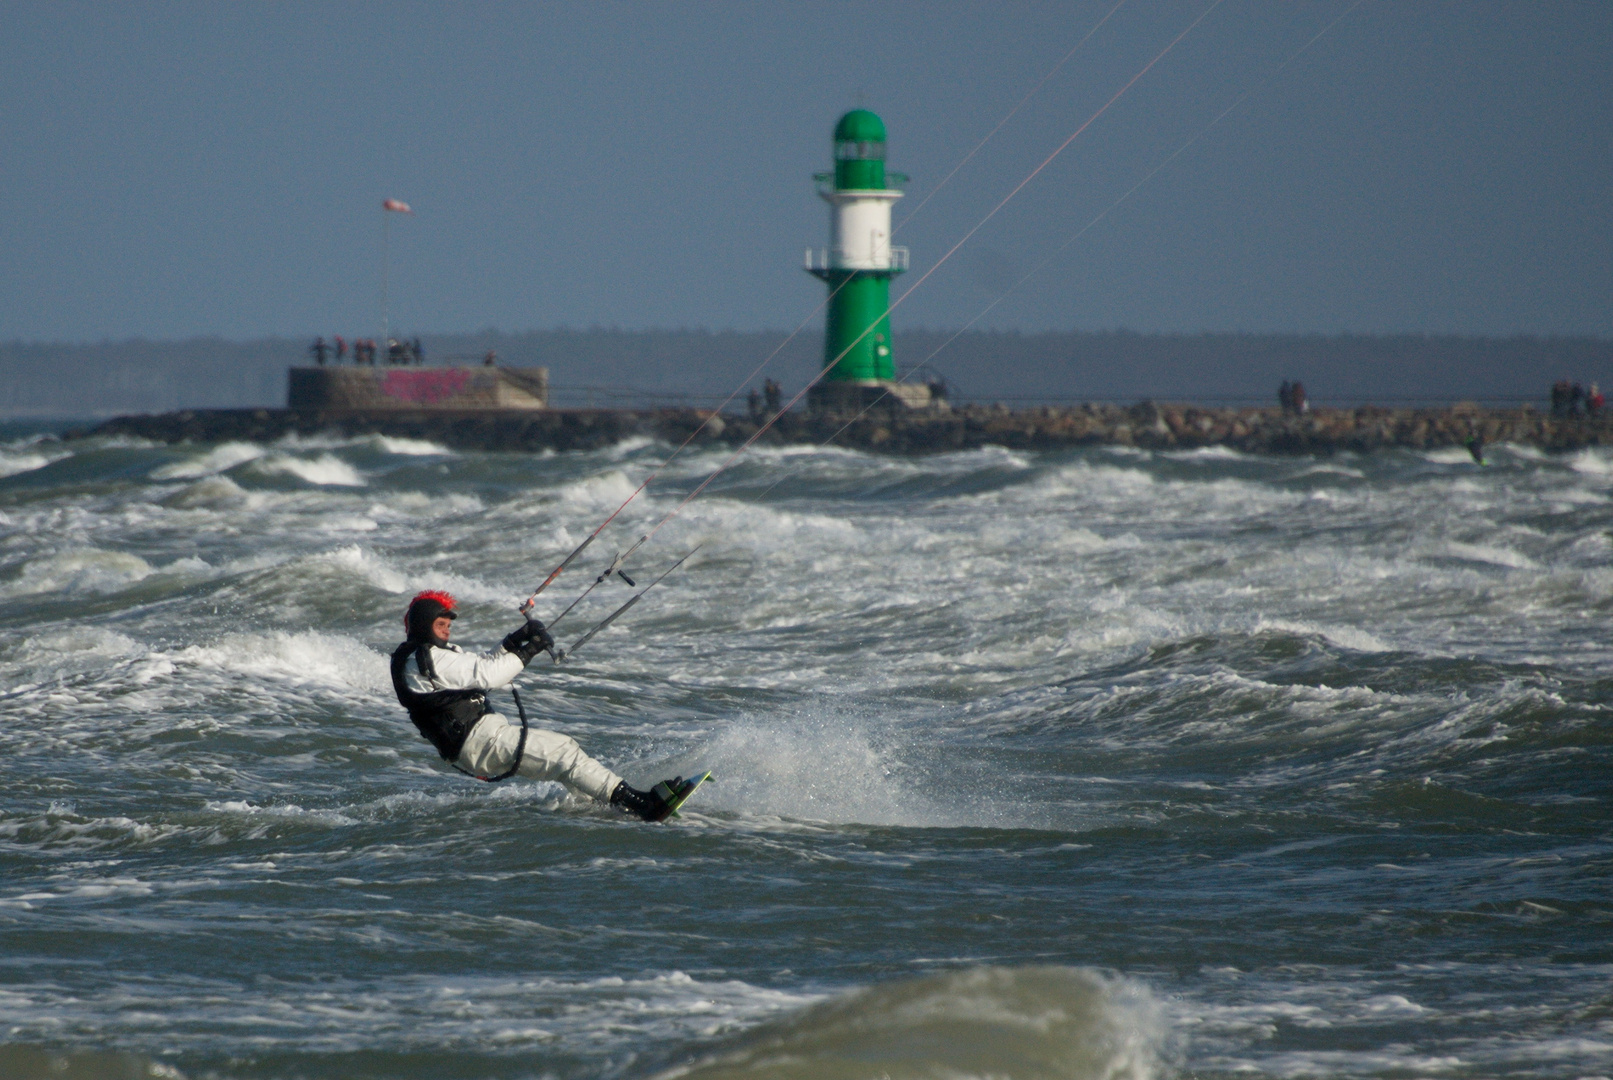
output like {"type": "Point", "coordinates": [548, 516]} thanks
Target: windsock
{"type": "Point", "coordinates": [396, 204]}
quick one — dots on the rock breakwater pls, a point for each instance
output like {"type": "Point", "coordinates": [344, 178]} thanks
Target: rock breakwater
{"type": "Point", "coordinates": [1147, 425]}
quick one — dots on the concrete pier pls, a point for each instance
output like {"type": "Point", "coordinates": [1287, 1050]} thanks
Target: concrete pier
{"type": "Point", "coordinates": [411, 389]}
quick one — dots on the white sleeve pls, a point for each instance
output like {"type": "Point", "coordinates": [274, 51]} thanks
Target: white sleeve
{"type": "Point", "coordinates": [457, 670]}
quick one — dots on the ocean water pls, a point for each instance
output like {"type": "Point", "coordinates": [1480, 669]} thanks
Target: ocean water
{"type": "Point", "coordinates": [1089, 764]}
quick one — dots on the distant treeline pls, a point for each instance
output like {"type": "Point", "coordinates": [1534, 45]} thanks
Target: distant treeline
{"type": "Point", "coordinates": [636, 367]}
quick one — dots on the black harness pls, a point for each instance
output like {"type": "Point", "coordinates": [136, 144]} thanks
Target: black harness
{"type": "Point", "coordinates": [444, 718]}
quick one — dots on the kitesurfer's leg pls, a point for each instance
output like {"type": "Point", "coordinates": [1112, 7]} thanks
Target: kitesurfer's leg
{"type": "Point", "coordinates": [553, 756]}
{"type": "Point", "coordinates": [549, 755]}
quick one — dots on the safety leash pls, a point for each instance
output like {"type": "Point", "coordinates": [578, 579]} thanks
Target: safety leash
{"type": "Point", "coordinates": [520, 747]}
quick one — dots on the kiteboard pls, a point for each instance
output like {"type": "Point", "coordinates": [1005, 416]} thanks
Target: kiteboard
{"type": "Point", "coordinates": [677, 793]}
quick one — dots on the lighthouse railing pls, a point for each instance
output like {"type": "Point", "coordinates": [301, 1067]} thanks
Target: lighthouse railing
{"type": "Point", "coordinates": [822, 259]}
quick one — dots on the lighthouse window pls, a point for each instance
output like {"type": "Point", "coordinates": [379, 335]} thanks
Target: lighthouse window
{"type": "Point", "coordinates": [860, 151]}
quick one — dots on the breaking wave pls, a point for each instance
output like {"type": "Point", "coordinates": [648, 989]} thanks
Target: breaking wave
{"type": "Point", "coordinates": [1035, 1023]}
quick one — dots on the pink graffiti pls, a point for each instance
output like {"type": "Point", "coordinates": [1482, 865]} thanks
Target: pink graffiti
{"type": "Point", "coordinates": [424, 387]}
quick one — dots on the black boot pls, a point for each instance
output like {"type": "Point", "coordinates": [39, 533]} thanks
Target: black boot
{"type": "Point", "coordinates": [648, 805]}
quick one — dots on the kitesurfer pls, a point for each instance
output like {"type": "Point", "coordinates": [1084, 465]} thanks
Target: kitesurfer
{"type": "Point", "coordinates": [445, 690]}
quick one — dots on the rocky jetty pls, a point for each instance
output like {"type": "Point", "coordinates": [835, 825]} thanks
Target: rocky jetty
{"type": "Point", "coordinates": [1251, 430]}
{"type": "Point", "coordinates": [470, 429]}
{"type": "Point", "coordinates": [1147, 425]}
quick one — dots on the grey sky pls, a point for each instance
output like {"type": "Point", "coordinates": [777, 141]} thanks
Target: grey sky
{"type": "Point", "coordinates": [171, 170]}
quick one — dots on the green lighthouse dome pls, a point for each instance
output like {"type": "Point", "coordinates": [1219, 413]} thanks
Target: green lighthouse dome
{"type": "Point", "coordinates": [860, 125]}
{"type": "Point", "coordinates": [860, 152]}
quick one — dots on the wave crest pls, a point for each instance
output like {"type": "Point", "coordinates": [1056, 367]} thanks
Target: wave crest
{"type": "Point", "coordinates": [1030, 1023]}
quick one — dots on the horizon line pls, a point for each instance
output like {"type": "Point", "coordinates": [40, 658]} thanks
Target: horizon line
{"type": "Point", "coordinates": [607, 331]}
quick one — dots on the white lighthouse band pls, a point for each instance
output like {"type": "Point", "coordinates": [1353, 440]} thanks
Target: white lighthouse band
{"type": "Point", "coordinates": [860, 230]}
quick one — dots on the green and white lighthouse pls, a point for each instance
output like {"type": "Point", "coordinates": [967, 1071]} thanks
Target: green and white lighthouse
{"type": "Point", "coordinates": [858, 266]}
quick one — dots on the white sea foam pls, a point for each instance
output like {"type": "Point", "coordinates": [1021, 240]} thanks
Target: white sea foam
{"type": "Point", "coordinates": [62, 829]}
{"type": "Point", "coordinates": [1245, 1029]}
{"type": "Point", "coordinates": [401, 447]}
{"type": "Point", "coordinates": [347, 523]}
{"type": "Point", "coordinates": [388, 575]}
{"type": "Point", "coordinates": [1487, 553]}
{"type": "Point", "coordinates": [212, 493]}
{"type": "Point", "coordinates": [102, 888]}
{"type": "Point", "coordinates": [396, 445]}
{"type": "Point", "coordinates": [604, 491]}
{"type": "Point", "coordinates": [1351, 637]}
{"type": "Point", "coordinates": [1592, 462]}
{"type": "Point", "coordinates": [1518, 450]}
{"type": "Point", "coordinates": [85, 570]}
{"type": "Point", "coordinates": [218, 459]}
{"type": "Point", "coordinates": [1448, 455]}
{"type": "Point", "coordinates": [309, 656]}
{"type": "Point", "coordinates": [76, 639]}
{"type": "Point", "coordinates": [1206, 453]}
{"type": "Point", "coordinates": [821, 768]}
{"type": "Point", "coordinates": [241, 807]}
{"type": "Point", "coordinates": [628, 447]}
{"type": "Point", "coordinates": [376, 570]}
{"type": "Point", "coordinates": [1325, 468]}
{"type": "Point", "coordinates": [831, 766]}
{"type": "Point", "coordinates": [803, 450]}
{"type": "Point", "coordinates": [762, 528]}
{"type": "Point", "coordinates": [333, 1015]}
{"type": "Point", "coordinates": [16, 461]}
{"type": "Point", "coordinates": [326, 469]}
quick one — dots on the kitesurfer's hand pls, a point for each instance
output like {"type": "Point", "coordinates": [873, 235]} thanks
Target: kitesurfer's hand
{"type": "Point", "coordinates": [539, 634]}
{"type": "Point", "coordinates": [529, 640]}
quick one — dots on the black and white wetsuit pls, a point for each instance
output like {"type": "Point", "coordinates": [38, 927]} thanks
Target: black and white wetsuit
{"type": "Point", "coordinates": [438, 684]}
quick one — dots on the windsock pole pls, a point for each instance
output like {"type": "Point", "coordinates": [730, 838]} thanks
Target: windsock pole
{"type": "Point", "coordinates": [388, 208]}
{"type": "Point", "coordinates": [386, 272]}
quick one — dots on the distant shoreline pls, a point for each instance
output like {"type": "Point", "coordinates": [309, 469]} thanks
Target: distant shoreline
{"type": "Point", "coordinates": [1146, 425]}
{"type": "Point", "coordinates": [642, 370]}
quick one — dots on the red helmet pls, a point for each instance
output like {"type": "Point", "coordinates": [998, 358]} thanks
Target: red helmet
{"type": "Point", "coordinates": [425, 609]}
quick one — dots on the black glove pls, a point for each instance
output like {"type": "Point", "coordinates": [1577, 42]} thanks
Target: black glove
{"type": "Point", "coordinates": [528, 641]}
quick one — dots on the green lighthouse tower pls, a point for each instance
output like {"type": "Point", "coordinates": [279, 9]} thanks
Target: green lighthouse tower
{"type": "Point", "coordinates": [858, 266]}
